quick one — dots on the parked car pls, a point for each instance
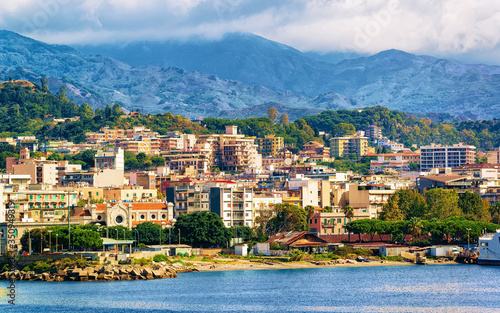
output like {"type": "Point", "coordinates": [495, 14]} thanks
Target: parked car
{"type": "Point", "coordinates": [361, 259]}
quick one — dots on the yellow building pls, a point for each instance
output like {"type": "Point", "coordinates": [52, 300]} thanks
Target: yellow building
{"type": "Point", "coordinates": [344, 146]}
{"type": "Point", "coordinates": [270, 145]}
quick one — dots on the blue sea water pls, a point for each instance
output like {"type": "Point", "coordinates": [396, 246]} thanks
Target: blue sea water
{"type": "Point", "coordinates": [431, 288]}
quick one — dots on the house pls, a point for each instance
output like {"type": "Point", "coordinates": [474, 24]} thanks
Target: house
{"type": "Point", "coordinates": [302, 240]}
{"type": "Point", "coordinates": [392, 250]}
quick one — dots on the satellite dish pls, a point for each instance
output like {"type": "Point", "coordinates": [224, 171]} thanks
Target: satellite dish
{"type": "Point", "coordinates": [288, 161]}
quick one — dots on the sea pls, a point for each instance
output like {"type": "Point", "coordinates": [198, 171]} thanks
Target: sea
{"type": "Point", "coordinates": [422, 288]}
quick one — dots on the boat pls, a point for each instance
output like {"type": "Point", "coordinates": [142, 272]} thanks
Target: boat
{"type": "Point", "coordinates": [489, 249]}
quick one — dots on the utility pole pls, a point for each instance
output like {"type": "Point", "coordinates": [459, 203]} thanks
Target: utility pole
{"type": "Point", "coordinates": [179, 236]}
{"type": "Point", "coordinates": [468, 239]}
{"type": "Point", "coordinates": [69, 227]}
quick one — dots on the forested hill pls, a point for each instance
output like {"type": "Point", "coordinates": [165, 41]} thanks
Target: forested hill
{"type": "Point", "coordinates": [26, 108]}
{"type": "Point", "coordinates": [409, 130]}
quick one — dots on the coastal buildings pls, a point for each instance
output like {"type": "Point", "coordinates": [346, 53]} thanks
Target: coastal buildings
{"type": "Point", "coordinates": [435, 156]}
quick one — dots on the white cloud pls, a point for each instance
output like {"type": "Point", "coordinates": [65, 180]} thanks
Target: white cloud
{"type": "Point", "coordinates": [447, 27]}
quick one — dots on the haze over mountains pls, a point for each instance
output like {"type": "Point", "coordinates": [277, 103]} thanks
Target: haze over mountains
{"type": "Point", "coordinates": [229, 76]}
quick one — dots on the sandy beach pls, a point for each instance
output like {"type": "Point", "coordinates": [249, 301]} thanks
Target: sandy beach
{"type": "Point", "coordinates": [225, 264]}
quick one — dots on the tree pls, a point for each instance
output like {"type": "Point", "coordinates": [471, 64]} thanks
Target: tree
{"type": "Point", "coordinates": [244, 232]}
{"type": "Point", "coordinates": [44, 81]}
{"type": "Point", "coordinates": [343, 129]}
{"type": "Point", "coordinates": [202, 229]}
{"type": "Point", "coordinates": [83, 239]}
{"type": "Point", "coordinates": [149, 233]}
{"type": "Point", "coordinates": [411, 203]}
{"type": "Point", "coordinates": [473, 208]}
{"type": "Point", "coordinates": [55, 156]}
{"type": "Point", "coordinates": [284, 120]}
{"type": "Point", "coordinates": [272, 113]}
{"type": "Point", "coordinates": [116, 111]}
{"type": "Point", "coordinates": [359, 227]}
{"type": "Point", "coordinates": [288, 217]}
{"type": "Point", "coordinates": [415, 226]}
{"type": "Point", "coordinates": [441, 203]}
{"type": "Point", "coordinates": [391, 210]}
{"type": "Point", "coordinates": [157, 161]}
{"type": "Point", "coordinates": [85, 111]}
{"type": "Point", "coordinates": [349, 213]}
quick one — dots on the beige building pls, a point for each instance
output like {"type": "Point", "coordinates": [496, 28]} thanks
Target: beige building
{"type": "Point", "coordinates": [126, 214]}
{"type": "Point", "coordinates": [232, 151]}
{"type": "Point", "coordinates": [369, 198]}
{"type": "Point", "coordinates": [130, 193]}
{"type": "Point", "coordinates": [436, 156]}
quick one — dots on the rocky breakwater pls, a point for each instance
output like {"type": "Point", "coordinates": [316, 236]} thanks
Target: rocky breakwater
{"type": "Point", "coordinates": [103, 273]}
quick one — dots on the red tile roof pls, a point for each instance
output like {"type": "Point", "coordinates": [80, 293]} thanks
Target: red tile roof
{"type": "Point", "coordinates": [136, 206]}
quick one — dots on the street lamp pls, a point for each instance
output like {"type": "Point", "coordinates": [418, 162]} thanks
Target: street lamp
{"type": "Point", "coordinates": [50, 240]}
{"type": "Point", "coordinates": [123, 246]}
{"type": "Point", "coordinates": [161, 228]}
{"type": "Point", "coordinates": [1, 237]}
{"type": "Point", "coordinates": [169, 228]}
{"type": "Point", "coordinates": [29, 241]}
{"type": "Point", "coordinates": [468, 237]}
{"type": "Point", "coordinates": [116, 240]}
{"type": "Point", "coordinates": [57, 244]}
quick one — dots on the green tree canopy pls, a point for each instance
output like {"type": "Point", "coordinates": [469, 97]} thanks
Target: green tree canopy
{"type": "Point", "coordinates": [202, 229]}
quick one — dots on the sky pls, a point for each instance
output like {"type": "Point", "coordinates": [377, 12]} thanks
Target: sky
{"type": "Point", "coordinates": [464, 30]}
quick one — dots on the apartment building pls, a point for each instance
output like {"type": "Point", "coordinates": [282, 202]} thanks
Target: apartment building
{"type": "Point", "coordinates": [373, 132]}
{"type": "Point", "coordinates": [110, 158]}
{"type": "Point", "coordinates": [231, 151]}
{"type": "Point", "coordinates": [345, 146]}
{"type": "Point", "coordinates": [270, 145]}
{"type": "Point", "coordinates": [494, 156]}
{"type": "Point", "coordinates": [234, 206]}
{"type": "Point", "coordinates": [370, 198]}
{"type": "Point", "coordinates": [435, 156]}
{"type": "Point", "coordinates": [41, 171]}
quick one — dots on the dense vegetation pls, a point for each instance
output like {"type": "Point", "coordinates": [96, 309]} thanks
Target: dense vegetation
{"type": "Point", "coordinates": [408, 129]}
{"type": "Point", "coordinates": [26, 109]}
{"type": "Point", "coordinates": [295, 134]}
{"type": "Point", "coordinates": [424, 232]}
{"type": "Point", "coordinates": [438, 203]}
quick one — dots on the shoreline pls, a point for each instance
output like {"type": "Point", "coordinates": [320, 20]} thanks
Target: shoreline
{"type": "Point", "coordinates": [238, 265]}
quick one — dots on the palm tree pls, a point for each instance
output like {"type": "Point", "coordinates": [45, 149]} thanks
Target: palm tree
{"type": "Point", "coordinates": [349, 213]}
{"type": "Point", "coordinates": [415, 226]}
{"type": "Point", "coordinates": [310, 212]}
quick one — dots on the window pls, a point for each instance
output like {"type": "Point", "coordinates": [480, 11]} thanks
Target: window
{"type": "Point", "coordinates": [36, 212]}
{"type": "Point", "coordinates": [163, 216]}
{"type": "Point", "coordinates": [99, 217]}
{"type": "Point", "coordinates": [119, 219]}
{"type": "Point", "coordinates": [153, 216]}
{"type": "Point", "coordinates": [142, 216]}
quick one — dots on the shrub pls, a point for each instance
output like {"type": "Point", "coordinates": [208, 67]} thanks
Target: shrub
{"type": "Point", "coordinates": [142, 261]}
{"type": "Point", "coordinates": [296, 255]}
{"type": "Point", "coordinates": [275, 246]}
{"type": "Point", "coordinates": [160, 258]}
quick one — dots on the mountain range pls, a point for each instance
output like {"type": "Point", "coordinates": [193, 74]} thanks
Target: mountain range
{"type": "Point", "coordinates": [241, 75]}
